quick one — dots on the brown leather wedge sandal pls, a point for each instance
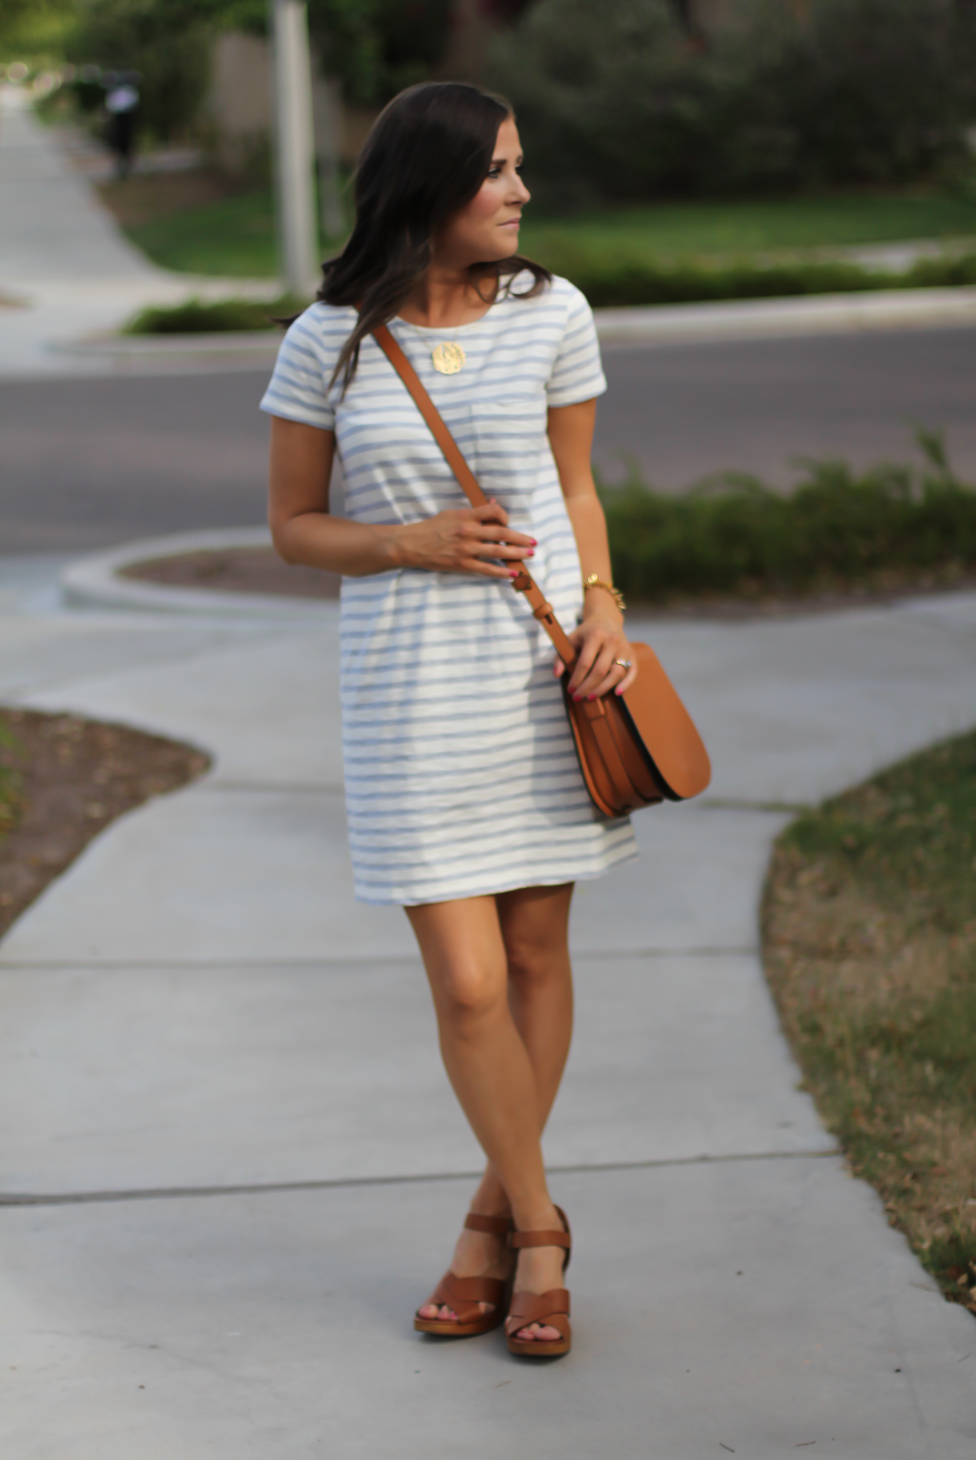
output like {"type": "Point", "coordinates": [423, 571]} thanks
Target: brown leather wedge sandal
{"type": "Point", "coordinates": [548, 1309]}
{"type": "Point", "coordinates": [464, 1294]}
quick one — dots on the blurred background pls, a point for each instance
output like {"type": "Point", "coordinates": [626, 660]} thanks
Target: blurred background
{"type": "Point", "coordinates": [678, 152]}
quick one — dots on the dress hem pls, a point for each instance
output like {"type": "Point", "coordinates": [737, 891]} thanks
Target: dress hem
{"type": "Point", "coordinates": [493, 888]}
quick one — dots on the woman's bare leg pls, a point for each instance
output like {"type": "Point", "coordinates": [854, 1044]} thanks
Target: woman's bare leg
{"type": "Point", "coordinates": [500, 976]}
{"type": "Point", "coordinates": [535, 930]}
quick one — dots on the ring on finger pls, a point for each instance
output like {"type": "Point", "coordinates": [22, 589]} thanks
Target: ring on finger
{"type": "Point", "coordinates": [624, 663]}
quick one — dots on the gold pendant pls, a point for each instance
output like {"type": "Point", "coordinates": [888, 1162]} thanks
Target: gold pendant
{"type": "Point", "coordinates": [448, 359]}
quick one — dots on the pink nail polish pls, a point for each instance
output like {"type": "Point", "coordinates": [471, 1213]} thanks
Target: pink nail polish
{"type": "Point", "coordinates": [513, 572]}
{"type": "Point", "coordinates": [533, 541]}
{"type": "Point", "coordinates": [591, 697]}
{"type": "Point", "coordinates": [530, 553]}
{"type": "Point", "coordinates": [576, 695]}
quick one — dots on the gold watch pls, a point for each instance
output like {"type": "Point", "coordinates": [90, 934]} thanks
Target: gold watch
{"type": "Point", "coordinates": [593, 581]}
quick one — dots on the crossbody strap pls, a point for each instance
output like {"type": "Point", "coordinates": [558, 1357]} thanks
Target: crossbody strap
{"type": "Point", "coordinates": [524, 583]}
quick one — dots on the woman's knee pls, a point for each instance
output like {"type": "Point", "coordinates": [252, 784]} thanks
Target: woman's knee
{"type": "Point", "coordinates": [535, 965]}
{"type": "Point", "coordinates": [467, 992]}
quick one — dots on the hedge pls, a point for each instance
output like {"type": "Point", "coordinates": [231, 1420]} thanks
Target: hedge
{"type": "Point", "coordinates": [835, 530]}
{"type": "Point", "coordinates": [621, 282]}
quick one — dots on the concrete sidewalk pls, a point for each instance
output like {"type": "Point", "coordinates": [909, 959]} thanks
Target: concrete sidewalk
{"type": "Point", "coordinates": [64, 260]}
{"type": "Point", "coordinates": [233, 1163]}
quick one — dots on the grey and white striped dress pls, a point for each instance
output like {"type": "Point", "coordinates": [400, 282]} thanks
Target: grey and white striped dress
{"type": "Point", "coordinates": [461, 776]}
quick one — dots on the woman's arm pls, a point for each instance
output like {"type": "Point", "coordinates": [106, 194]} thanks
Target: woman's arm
{"type": "Point", "coordinates": [464, 541]}
{"type": "Point", "coordinates": [600, 637]}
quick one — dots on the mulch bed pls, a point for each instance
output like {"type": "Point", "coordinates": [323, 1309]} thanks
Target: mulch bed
{"type": "Point", "coordinates": [64, 779]}
{"type": "Point", "coordinates": [237, 570]}
{"type": "Point", "coordinates": [260, 570]}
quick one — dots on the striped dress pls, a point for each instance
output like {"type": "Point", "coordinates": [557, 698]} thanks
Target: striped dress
{"type": "Point", "coordinates": [461, 774]}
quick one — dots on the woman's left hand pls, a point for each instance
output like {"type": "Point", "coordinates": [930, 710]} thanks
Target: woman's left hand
{"type": "Point", "coordinates": [601, 641]}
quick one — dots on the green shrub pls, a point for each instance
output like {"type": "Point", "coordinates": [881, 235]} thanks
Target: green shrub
{"type": "Point", "coordinates": [613, 103]}
{"type": "Point", "coordinates": [618, 281]}
{"type": "Point", "coordinates": [199, 317]}
{"type": "Point", "coordinates": [834, 530]}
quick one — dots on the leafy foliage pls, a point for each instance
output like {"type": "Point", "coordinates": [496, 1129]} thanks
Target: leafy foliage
{"type": "Point", "coordinates": [378, 47]}
{"type": "Point", "coordinates": [835, 530]}
{"type": "Point", "coordinates": [613, 102]}
{"type": "Point", "coordinates": [621, 280]}
{"type": "Point", "coordinates": [167, 41]}
{"type": "Point", "coordinates": [197, 316]}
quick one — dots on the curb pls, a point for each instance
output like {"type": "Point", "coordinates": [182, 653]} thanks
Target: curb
{"type": "Point", "coordinates": [733, 319]}
{"type": "Point", "coordinates": [882, 309]}
{"type": "Point", "coordinates": [261, 346]}
{"type": "Point", "coordinates": [94, 582]}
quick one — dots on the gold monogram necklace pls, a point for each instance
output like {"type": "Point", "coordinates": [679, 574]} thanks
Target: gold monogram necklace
{"type": "Point", "coordinates": [448, 359]}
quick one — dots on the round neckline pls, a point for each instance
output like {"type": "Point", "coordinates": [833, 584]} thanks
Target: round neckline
{"type": "Point", "coordinates": [453, 329]}
{"type": "Point", "coordinates": [446, 329]}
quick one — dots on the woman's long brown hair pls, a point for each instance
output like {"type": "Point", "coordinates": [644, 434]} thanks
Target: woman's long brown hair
{"type": "Point", "coordinates": [426, 156]}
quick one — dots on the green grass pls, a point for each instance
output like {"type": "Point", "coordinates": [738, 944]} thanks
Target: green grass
{"type": "Point", "coordinates": [235, 236]}
{"type": "Point", "coordinates": [685, 231]}
{"type": "Point", "coordinates": [870, 943]}
{"type": "Point", "coordinates": [836, 530]}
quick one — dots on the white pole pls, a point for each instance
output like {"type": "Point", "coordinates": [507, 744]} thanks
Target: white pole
{"type": "Point", "coordinates": [294, 145]}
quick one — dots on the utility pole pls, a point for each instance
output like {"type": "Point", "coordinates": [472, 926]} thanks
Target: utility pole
{"type": "Point", "coordinates": [294, 145]}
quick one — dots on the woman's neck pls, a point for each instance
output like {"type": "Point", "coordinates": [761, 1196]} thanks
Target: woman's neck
{"type": "Point", "coordinates": [446, 297]}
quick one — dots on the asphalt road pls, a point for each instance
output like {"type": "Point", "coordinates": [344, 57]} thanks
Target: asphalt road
{"type": "Point", "coordinates": [89, 462]}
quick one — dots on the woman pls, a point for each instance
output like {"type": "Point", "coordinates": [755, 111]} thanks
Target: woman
{"type": "Point", "coordinates": [465, 801]}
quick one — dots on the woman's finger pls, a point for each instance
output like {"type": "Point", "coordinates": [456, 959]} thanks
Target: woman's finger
{"type": "Point", "coordinates": [627, 680]}
{"type": "Point", "coordinates": [490, 511]}
{"type": "Point", "coordinates": [501, 550]}
{"type": "Point", "coordinates": [587, 664]}
{"type": "Point", "coordinates": [610, 680]}
{"type": "Point", "coordinates": [490, 533]}
{"type": "Point", "coordinates": [600, 672]}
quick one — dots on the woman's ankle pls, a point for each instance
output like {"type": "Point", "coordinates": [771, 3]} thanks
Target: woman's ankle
{"type": "Point", "coordinates": [536, 1216]}
{"type": "Point", "coordinates": [491, 1200]}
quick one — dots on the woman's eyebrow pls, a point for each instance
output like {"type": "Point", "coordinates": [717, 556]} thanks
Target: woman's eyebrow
{"type": "Point", "coordinates": [500, 161]}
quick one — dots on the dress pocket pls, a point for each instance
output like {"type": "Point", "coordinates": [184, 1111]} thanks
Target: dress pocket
{"type": "Point", "coordinates": [507, 437]}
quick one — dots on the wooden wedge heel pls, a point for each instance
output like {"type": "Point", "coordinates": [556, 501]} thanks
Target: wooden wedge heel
{"type": "Point", "coordinates": [464, 1294]}
{"type": "Point", "coordinates": [550, 1310]}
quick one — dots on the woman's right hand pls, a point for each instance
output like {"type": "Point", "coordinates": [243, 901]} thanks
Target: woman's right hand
{"type": "Point", "coordinates": [463, 540]}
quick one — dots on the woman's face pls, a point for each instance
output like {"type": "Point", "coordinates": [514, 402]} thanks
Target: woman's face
{"type": "Point", "coordinates": [487, 228]}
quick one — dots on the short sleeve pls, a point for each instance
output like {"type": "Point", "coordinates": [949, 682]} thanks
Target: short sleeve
{"type": "Point", "coordinates": [577, 372]}
{"type": "Point", "coordinates": [298, 389]}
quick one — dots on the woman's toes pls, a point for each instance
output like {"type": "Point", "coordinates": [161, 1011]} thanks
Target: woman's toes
{"type": "Point", "coordinates": [542, 1333]}
{"type": "Point", "coordinates": [485, 1307]}
{"type": "Point", "coordinates": [447, 1313]}
{"type": "Point", "coordinates": [428, 1311]}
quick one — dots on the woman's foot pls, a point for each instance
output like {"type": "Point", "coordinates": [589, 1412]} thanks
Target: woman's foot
{"type": "Point", "coordinates": [476, 1254]}
{"type": "Point", "coordinates": [539, 1270]}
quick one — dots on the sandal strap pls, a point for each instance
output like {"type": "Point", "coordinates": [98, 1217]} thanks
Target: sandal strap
{"type": "Point", "coordinates": [497, 1226]}
{"type": "Point", "coordinates": [540, 1239]}
{"type": "Point", "coordinates": [562, 1239]}
{"type": "Point", "coordinates": [543, 1308]}
{"type": "Point", "coordinates": [453, 1290]}
{"type": "Point", "coordinates": [464, 1295]}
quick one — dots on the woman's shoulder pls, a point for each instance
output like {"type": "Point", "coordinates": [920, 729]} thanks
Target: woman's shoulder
{"type": "Point", "coordinates": [556, 297]}
{"type": "Point", "coordinates": [323, 328]}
